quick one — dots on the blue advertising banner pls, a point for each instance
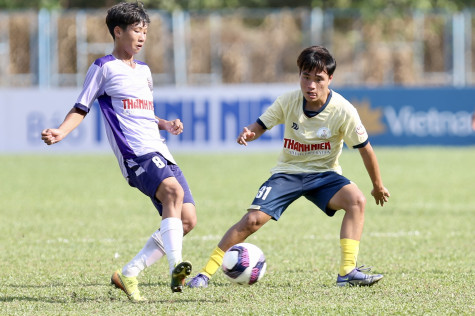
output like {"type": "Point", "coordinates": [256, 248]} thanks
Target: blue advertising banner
{"type": "Point", "coordinates": [401, 116]}
{"type": "Point", "coordinates": [213, 117]}
{"type": "Point", "coordinates": [392, 116]}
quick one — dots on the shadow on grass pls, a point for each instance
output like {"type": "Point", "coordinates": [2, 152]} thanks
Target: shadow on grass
{"type": "Point", "coordinates": [76, 299]}
{"type": "Point", "coordinates": [40, 286]}
{"type": "Point", "coordinates": [69, 295]}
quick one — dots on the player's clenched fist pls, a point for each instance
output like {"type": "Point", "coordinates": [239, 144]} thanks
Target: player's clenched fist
{"type": "Point", "coordinates": [175, 127]}
{"type": "Point", "coordinates": [51, 136]}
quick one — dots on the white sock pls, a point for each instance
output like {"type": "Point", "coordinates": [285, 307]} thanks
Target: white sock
{"type": "Point", "coordinates": [150, 253]}
{"type": "Point", "coordinates": [172, 236]}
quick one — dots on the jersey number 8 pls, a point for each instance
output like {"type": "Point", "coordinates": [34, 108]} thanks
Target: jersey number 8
{"type": "Point", "coordinates": [158, 162]}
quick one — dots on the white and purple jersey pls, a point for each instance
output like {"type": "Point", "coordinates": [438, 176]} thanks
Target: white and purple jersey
{"type": "Point", "coordinates": [126, 102]}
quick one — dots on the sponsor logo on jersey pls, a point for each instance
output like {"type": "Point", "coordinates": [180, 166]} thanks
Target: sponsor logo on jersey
{"type": "Point", "coordinates": [295, 126]}
{"type": "Point", "coordinates": [137, 104]}
{"type": "Point", "coordinates": [295, 148]}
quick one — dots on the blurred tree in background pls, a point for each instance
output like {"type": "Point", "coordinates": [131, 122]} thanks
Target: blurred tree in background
{"type": "Point", "coordinates": [367, 7]}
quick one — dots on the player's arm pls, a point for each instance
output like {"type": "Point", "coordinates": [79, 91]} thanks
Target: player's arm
{"type": "Point", "coordinates": [71, 121]}
{"type": "Point", "coordinates": [250, 133]}
{"type": "Point", "coordinates": [379, 192]}
{"type": "Point", "coordinates": [175, 127]}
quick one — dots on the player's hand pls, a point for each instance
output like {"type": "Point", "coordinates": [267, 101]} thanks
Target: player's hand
{"type": "Point", "coordinates": [174, 127]}
{"type": "Point", "coordinates": [381, 195]}
{"type": "Point", "coordinates": [246, 135]}
{"type": "Point", "coordinates": [52, 135]}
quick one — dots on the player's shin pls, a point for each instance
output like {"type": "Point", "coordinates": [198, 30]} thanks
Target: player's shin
{"type": "Point", "coordinates": [171, 231]}
{"type": "Point", "coordinates": [349, 255]}
{"type": "Point", "coordinates": [150, 253]}
{"type": "Point", "coordinates": [214, 262]}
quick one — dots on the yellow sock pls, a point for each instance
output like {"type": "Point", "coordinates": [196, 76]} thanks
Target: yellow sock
{"type": "Point", "coordinates": [214, 262]}
{"type": "Point", "coordinates": [349, 254]}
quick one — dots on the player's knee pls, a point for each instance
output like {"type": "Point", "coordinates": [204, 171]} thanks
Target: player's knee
{"type": "Point", "coordinates": [358, 203]}
{"type": "Point", "coordinates": [188, 224]}
{"type": "Point", "coordinates": [170, 192]}
{"type": "Point", "coordinates": [176, 193]}
{"type": "Point", "coordinates": [361, 201]}
{"type": "Point", "coordinates": [253, 221]}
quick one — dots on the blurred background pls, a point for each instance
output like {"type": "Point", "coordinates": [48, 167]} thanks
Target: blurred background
{"type": "Point", "coordinates": [205, 42]}
{"type": "Point", "coordinates": [408, 64]}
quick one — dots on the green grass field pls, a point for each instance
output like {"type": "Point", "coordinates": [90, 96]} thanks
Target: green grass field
{"type": "Point", "coordinates": [67, 222]}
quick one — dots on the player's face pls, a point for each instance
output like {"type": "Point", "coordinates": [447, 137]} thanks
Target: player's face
{"type": "Point", "coordinates": [315, 86]}
{"type": "Point", "coordinates": [132, 39]}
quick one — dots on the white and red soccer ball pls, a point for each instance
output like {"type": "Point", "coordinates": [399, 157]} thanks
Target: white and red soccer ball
{"type": "Point", "coordinates": [244, 264]}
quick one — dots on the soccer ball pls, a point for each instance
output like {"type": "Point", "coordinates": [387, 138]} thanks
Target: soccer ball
{"type": "Point", "coordinates": [244, 264]}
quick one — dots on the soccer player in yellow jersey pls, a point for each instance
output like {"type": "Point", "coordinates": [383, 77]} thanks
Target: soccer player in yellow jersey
{"type": "Point", "coordinates": [317, 121]}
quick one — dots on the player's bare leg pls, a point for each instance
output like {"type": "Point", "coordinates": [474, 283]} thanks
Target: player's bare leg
{"type": "Point", "coordinates": [188, 217]}
{"type": "Point", "coordinates": [249, 224]}
{"type": "Point", "coordinates": [353, 202]}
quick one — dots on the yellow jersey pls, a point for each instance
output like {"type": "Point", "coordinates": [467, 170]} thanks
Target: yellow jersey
{"type": "Point", "coordinates": [314, 144]}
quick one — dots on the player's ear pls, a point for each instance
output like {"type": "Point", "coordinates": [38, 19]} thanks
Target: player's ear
{"type": "Point", "coordinates": [117, 31]}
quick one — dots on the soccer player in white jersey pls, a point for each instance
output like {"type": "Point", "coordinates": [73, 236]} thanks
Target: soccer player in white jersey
{"type": "Point", "coordinates": [123, 87]}
{"type": "Point", "coordinates": [317, 121]}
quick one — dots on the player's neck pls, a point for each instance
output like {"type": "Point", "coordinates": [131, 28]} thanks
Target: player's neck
{"type": "Point", "coordinates": [316, 105]}
{"type": "Point", "coordinates": [124, 57]}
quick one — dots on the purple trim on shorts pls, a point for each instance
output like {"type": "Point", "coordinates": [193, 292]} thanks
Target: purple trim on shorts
{"type": "Point", "coordinates": [110, 116]}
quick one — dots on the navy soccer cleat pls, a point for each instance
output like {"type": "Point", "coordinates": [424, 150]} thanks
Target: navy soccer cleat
{"type": "Point", "coordinates": [357, 278]}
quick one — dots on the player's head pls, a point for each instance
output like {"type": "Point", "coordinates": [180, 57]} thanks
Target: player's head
{"type": "Point", "coordinates": [316, 66]}
{"type": "Point", "coordinates": [126, 14]}
{"type": "Point", "coordinates": [316, 59]}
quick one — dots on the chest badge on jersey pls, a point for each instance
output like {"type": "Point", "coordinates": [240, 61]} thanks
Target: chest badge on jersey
{"type": "Point", "coordinates": [323, 133]}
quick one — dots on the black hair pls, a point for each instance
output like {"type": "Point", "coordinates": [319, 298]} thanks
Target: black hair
{"type": "Point", "coordinates": [316, 58]}
{"type": "Point", "coordinates": [125, 14]}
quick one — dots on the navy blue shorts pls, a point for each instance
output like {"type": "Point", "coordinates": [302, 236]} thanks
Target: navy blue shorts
{"type": "Point", "coordinates": [277, 193]}
{"type": "Point", "coordinates": [148, 171]}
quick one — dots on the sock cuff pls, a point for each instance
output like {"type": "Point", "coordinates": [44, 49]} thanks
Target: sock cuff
{"type": "Point", "coordinates": [218, 251]}
{"type": "Point", "coordinates": [349, 242]}
{"type": "Point", "coordinates": [170, 223]}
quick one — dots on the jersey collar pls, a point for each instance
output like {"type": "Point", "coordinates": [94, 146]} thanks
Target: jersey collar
{"type": "Point", "coordinates": [315, 113]}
